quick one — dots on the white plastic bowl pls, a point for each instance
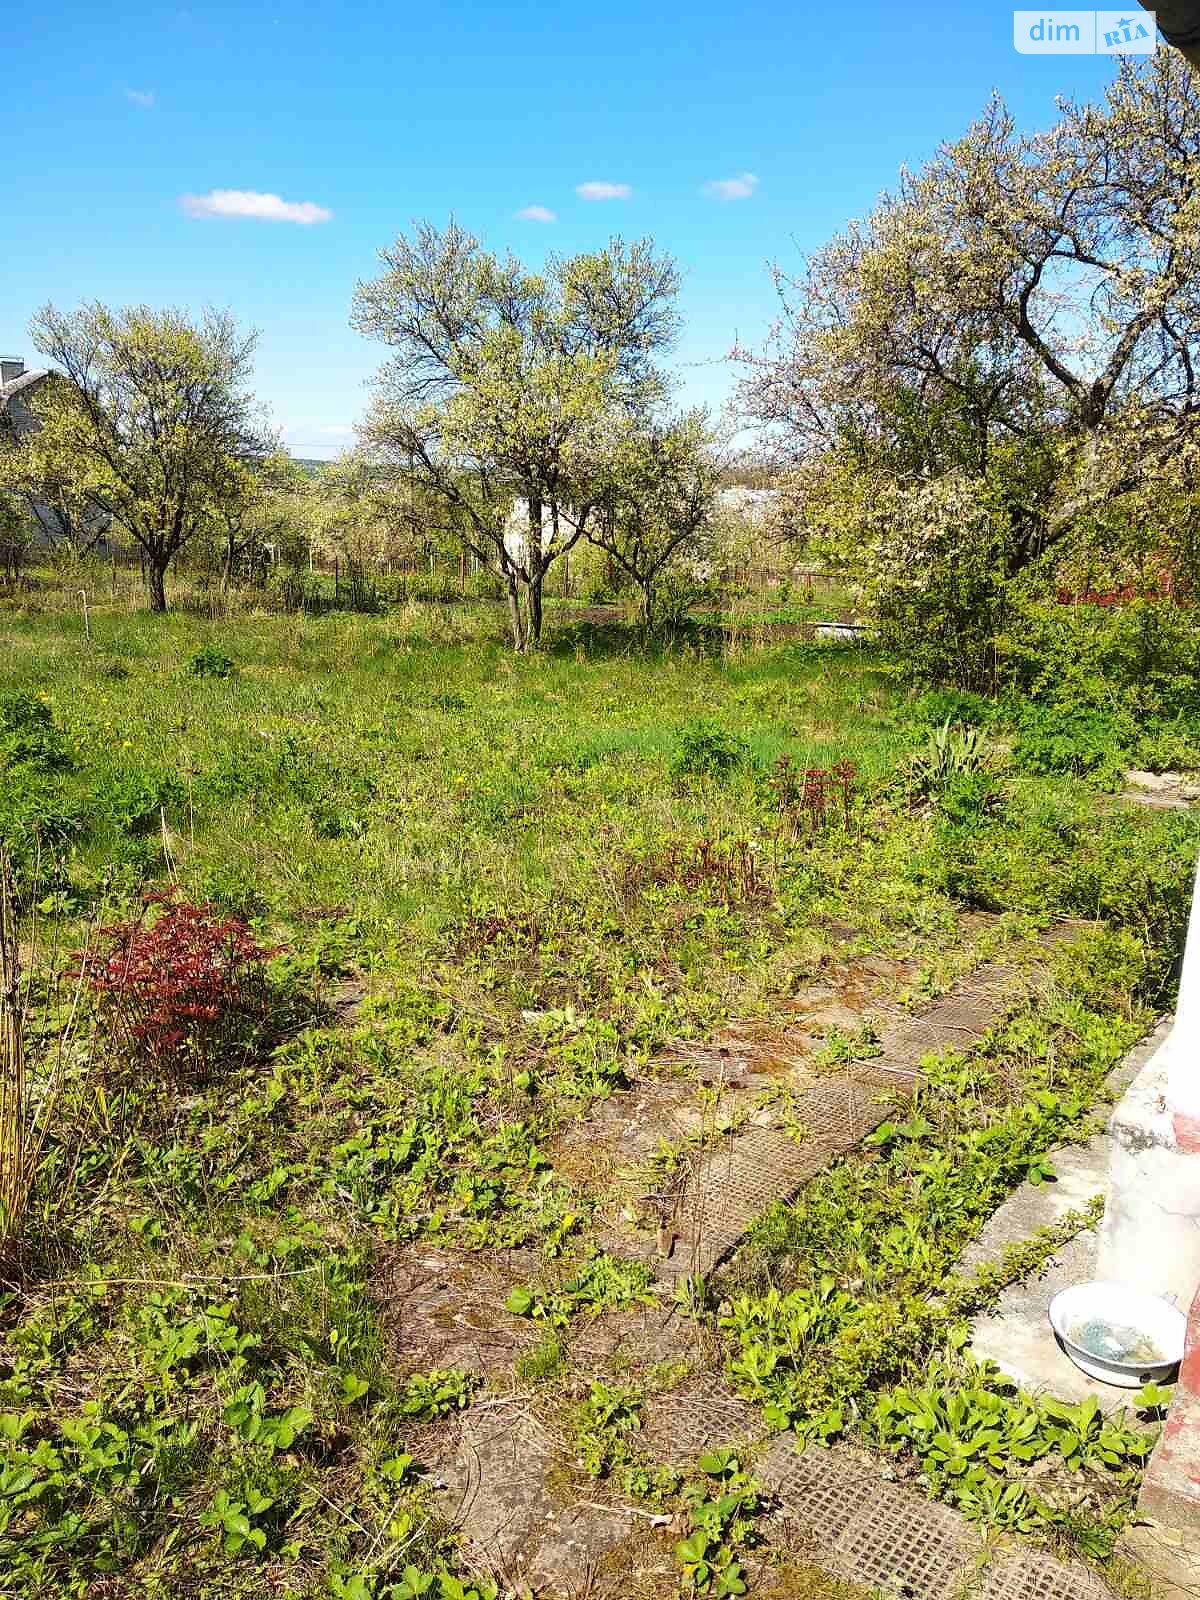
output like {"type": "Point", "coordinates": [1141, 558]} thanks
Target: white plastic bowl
{"type": "Point", "coordinates": [1117, 1334]}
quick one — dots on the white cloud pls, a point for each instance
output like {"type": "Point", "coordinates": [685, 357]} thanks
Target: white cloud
{"type": "Point", "coordinates": [141, 97]}
{"type": "Point", "coordinates": [740, 188]}
{"type": "Point", "coordinates": [536, 214]}
{"type": "Point", "coordinates": [250, 203]}
{"type": "Point", "coordinates": [603, 191]}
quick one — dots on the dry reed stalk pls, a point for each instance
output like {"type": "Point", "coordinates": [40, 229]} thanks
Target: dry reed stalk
{"type": "Point", "coordinates": [26, 1114]}
{"type": "Point", "coordinates": [14, 1128]}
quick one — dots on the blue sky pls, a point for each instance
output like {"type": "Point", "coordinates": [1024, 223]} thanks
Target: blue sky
{"type": "Point", "coordinates": [381, 113]}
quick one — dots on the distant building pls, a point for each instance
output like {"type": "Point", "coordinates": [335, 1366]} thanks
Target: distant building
{"type": "Point", "coordinates": [518, 528]}
{"type": "Point", "coordinates": [756, 505]}
{"type": "Point", "coordinates": [18, 385]}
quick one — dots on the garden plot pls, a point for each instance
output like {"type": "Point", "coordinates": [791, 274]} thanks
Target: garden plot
{"type": "Point", "coordinates": [524, 1504]}
{"type": "Point", "coordinates": [530, 947]}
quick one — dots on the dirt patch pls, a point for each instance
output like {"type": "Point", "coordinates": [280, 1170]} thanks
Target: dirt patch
{"type": "Point", "coordinates": [347, 998]}
{"type": "Point", "coordinates": [626, 1341]}
{"type": "Point", "coordinates": [736, 1065]}
{"type": "Point", "coordinates": [444, 1308]}
{"type": "Point", "coordinates": [510, 1487]}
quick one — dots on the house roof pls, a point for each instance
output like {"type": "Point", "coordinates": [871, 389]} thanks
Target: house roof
{"type": "Point", "coordinates": [25, 381]}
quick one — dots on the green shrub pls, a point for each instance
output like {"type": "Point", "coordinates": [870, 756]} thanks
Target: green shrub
{"type": "Point", "coordinates": [939, 706]}
{"type": "Point", "coordinates": [29, 735]}
{"type": "Point", "coordinates": [134, 801]}
{"type": "Point", "coordinates": [706, 751]}
{"type": "Point", "coordinates": [1105, 969]}
{"type": "Point", "coordinates": [38, 826]}
{"type": "Point", "coordinates": [1170, 747]}
{"type": "Point", "coordinates": [1147, 652]}
{"type": "Point", "coordinates": [969, 798]}
{"type": "Point", "coordinates": [1075, 739]}
{"type": "Point", "coordinates": [209, 662]}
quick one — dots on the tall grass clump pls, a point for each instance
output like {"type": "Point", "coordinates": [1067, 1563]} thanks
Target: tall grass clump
{"type": "Point", "coordinates": [28, 1099]}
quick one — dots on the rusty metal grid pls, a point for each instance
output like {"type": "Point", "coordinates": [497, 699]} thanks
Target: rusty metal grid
{"type": "Point", "coordinates": [700, 1415]}
{"type": "Point", "coordinates": [816, 1486]}
{"type": "Point", "coordinates": [734, 1184]}
{"type": "Point", "coordinates": [899, 1540]}
{"type": "Point", "coordinates": [876, 1532]}
{"type": "Point", "coordinates": [1036, 1575]}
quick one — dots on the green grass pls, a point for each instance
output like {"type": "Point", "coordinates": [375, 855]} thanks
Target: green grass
{"type": "Point", "coordinates": [492, 849]}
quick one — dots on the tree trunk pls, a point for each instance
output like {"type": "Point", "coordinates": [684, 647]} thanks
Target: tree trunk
{"type": "Point", "coordinates": [535, 607]}
{"type": "Point", "coordinates": [516, 621]}
{"type": "Point", "coordinates": [156, 577]}
{"type": "Point", "coordinates": [648, 604]}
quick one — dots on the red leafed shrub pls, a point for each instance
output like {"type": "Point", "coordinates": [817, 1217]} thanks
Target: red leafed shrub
{"type": "Point", "coordinates": [183, 986]}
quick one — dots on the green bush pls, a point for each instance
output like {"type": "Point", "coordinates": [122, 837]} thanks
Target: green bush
{"type": "Point", "coordinates": [706, 751]}
{"type": "Point", "coordinates": [38, 826]}
{"type": "Point", "coordinates": [1145, 653]}
{"type": "Point", "coordinates": [1169, 747]}
{"type": "Point", "coordinates": [1105, 969]}
{"type": "Point", "coordinates": [209, 662]}
{"type": "Point", "coordinates": [1075, 739]}
{"type": "Point", "coordinates": [134, 801]}
{"type": "Point", "coordinates": [226, 886]}
{"type": "Point", "coordinates": [938, 706]}
{"type": "Point", "coordinates": [29, 735]}
{"type": "Point", "coordinates": [968, 798]}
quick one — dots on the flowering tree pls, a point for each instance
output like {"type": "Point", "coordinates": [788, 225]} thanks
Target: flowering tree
{"type": "Point", "coordinates": [152, 409]}
{"type": "Point", "coordinates": [1006, 348]}
{"type": "Point", "coordinates": [657, 499]}
{"type": "Point", "coordinates": [503, 389]}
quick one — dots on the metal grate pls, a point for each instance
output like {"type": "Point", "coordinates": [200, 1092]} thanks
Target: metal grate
{"type": "Point", "coordinates": [1035, 1575]}
{"type": "Point", "coordinates": [878, 1533]}
{"type": "Point", "coordinates": [732, 1185]}
{"type": "Point", "coordinates": [700, 1415]}
{"type": "Point", "coordinates": [909, 1545]}
{"type": "Point", "coordinates": [818, 1489]}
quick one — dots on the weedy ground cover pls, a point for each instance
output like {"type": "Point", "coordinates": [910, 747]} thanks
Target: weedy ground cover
{"type": "Point", "coordinates": [537, 873]}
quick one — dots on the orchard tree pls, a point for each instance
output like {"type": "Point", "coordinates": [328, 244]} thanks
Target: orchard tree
{"type": "Point", "coordinates": [153, 412]}
{"type": "Point", "coordinates": [657, 499]}
{"type": "Point", "coordinates": [498, 403]}
{"type": "Point", "coordinates": [252, 507]}
{"type": "Point", "coordinates": [1017, 328]}
{"type": "Point", "coordinates": [366, 518]}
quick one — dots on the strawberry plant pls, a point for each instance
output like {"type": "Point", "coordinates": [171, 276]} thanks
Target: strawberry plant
{"type": "Point", "coordinates": [234, 1520]}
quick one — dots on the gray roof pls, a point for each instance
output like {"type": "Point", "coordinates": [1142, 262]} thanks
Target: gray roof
{"type": "Point", "coordinates": [25, 381]}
